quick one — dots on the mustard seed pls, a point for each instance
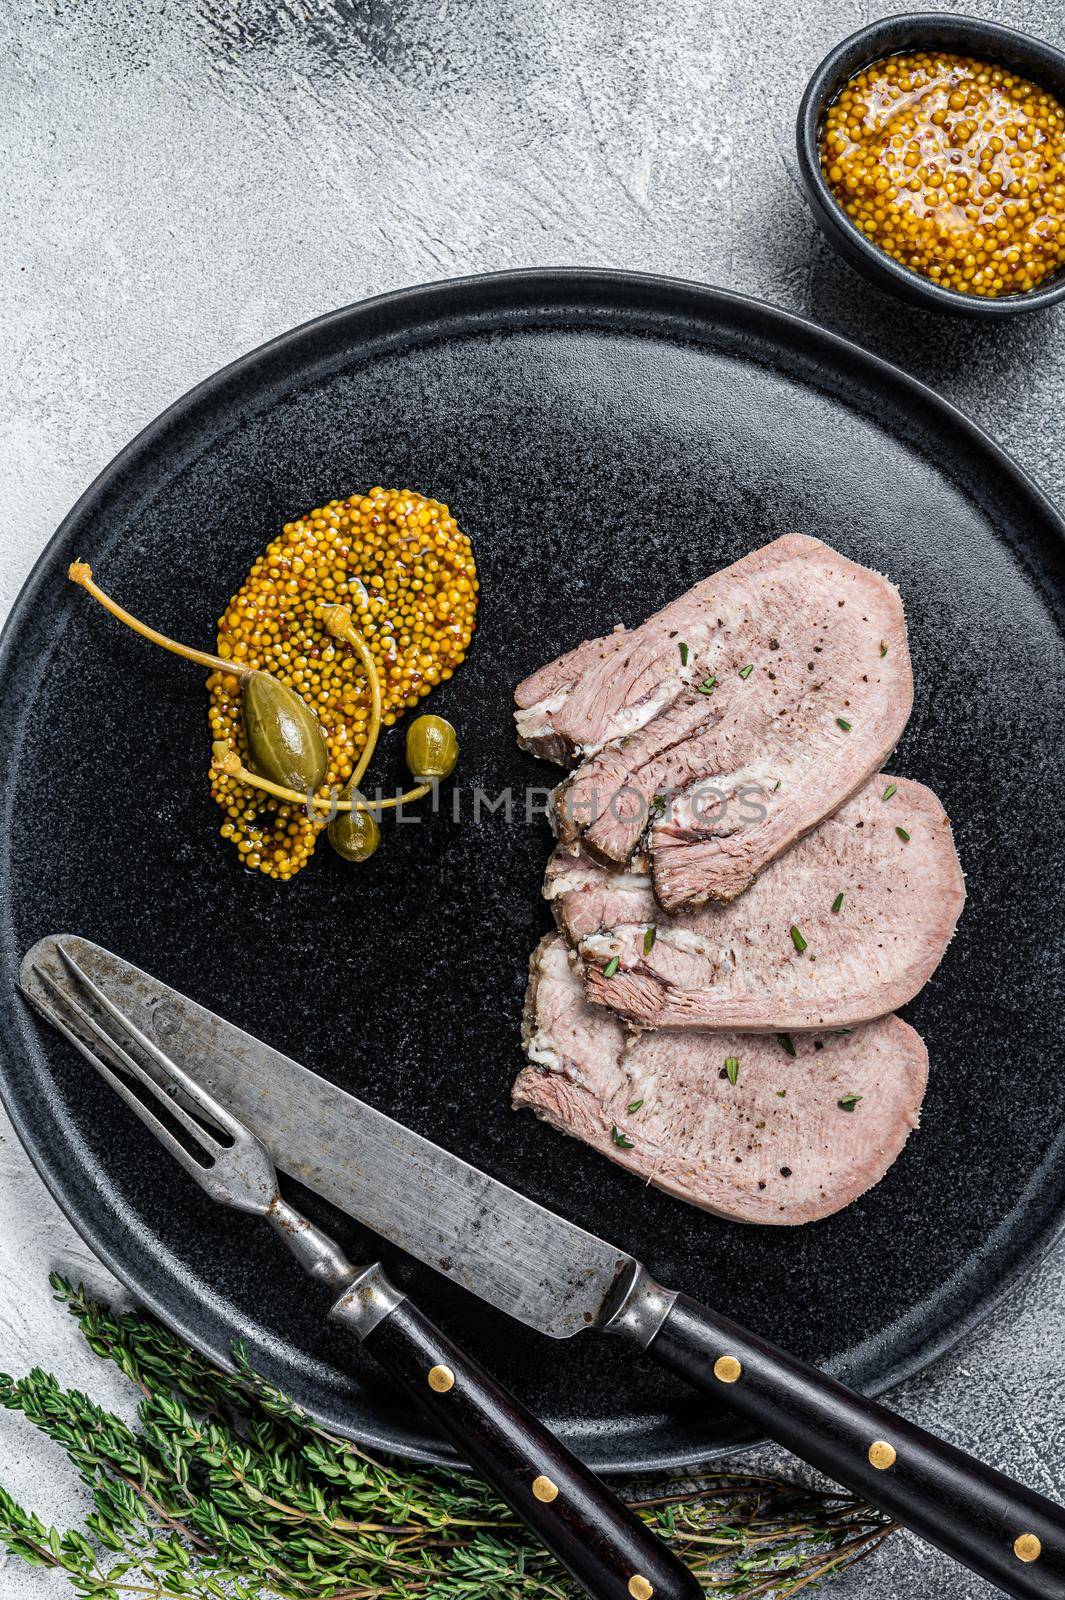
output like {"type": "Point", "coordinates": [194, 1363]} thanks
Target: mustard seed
{"type": "Point", "coordinates": [973, 159]}
{"type": "Point", "coordinates": [405, 570]}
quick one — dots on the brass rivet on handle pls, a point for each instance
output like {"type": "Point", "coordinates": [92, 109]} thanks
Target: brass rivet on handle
{"type": "Point", "coordinates": [639, 1587]}
{"type": "Point", "coordinates": [1027, 1547]}
{"type": "Point", "coordinates": [727, 1369]}
{"type": "Point", "coordinates": [882, 1455]}
{"type": "Point", "coordinates": [441, 1379]}
{"type": "Point", "coordinates": [544, 1489]}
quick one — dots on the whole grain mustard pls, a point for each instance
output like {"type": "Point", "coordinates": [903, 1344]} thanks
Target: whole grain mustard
{"type": "Point", "coordinates": [402, 566]}
{"type": "Point", "coordinates": [954, 167]}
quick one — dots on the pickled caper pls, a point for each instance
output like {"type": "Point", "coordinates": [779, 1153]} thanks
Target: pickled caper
{"type": "Point", "coordinates": [285, 738]}
{"type": "Point", "coordinates": [354, 835]}
{"type": "Point", "coordinates": [432, 748]}
{"type": "Point", "coordinates": [286, 743]}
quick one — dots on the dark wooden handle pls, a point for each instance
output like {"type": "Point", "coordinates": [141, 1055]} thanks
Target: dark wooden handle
{"type": "Point", "coordinates": [1008, 1534]}
{"type": "Point", "coordinates": [605, 1546]}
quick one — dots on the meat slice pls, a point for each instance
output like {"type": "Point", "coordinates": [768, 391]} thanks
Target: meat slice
{"type": "Point", "coordinates": [754, 704]}
{"type": "Point", "coordinates": [545, 692]}
{"type": "Point", "coordinates": [588, 898]}
{"type": "Point", "coordinates": [874, 894]}
{"type": "Point", "coordinates": [777, 1146]}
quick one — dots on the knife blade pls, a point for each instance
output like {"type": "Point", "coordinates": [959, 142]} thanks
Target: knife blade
{"type": "Point", "coordinates": [504, 1248]}
{"type": "Point", "coordinates": [554, 1276]}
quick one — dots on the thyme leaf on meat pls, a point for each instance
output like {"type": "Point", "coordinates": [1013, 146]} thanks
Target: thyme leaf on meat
{"type": "Point", "coordinates": [841, 722]}
{"type": "Point", "coordinates": [708, 686]}
{"type": "Point", "coordinates": [838, 901]}
{"type": "Point", "coordinates": [787, 1043]}
{"type": "Point", "coordinates": [620, 1139]}
{"type": "Point", "coordinates": [745, 672]}
{"type": "Point", "coordinates": [889, 791]}
{"type": "Point", "coordinates": [683, 648]}
{"type": "Point", "coordinates": [649, 938]}
{"type": "Point", "coordinates": [634, 1106]}
{"type": "Point", "coordinates": [612, 966]}
{"type": "Point", "coordinates": [732, 1068]}
{"type": "Point", "coordinates": [797, 939]}
{"type": "Point", "coordinates": [903, 835]}
{"type": "Point", "coordinates": [849, 1101]}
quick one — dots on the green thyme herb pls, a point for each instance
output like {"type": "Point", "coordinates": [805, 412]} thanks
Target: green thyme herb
{"type": "Point", "coordinates": [732, 1069]}
{"type": "Point", "coordinates": [781, 1093]}
{"type": "Point", "coordinates": [649, 938]}
{"type": "Point", "coordinates": [621, 1141]}
{"type": "Point", "coordinates": [797, 939]}
{"type": "Point", "coordinates": [841, 722]}
{"type": "Point", "coordinates": [635, 1105]}
{"type": "Point", "coordinates": [891, 789]}
{"type": "Point", "coordinates": [849, 1101]}
{"type": "Point", "coordinates": [786, 1041]}
{"type": "Point", "coordinates": [838, 901]}
{"type": "Point", "coordinates": [223, 1487]}
{"type": "Point", "coordinates": [708, 686]}
{"type": "Point", "coordinates": [683, 648]}
{"type": "Point", "coordinates": [776, 786]}
{"type": "Point", "coordinates": [883, 649]}
{"type": "Point", "coordinates": [745, 672]}
{"type": "Point", "coordinates": [903, 835]}
{"type": "Point", "coordinates": [612, 966]}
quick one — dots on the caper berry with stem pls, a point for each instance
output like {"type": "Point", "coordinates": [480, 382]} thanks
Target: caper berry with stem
{"type": "Point", "coordinates": [285, 738]}
{"type": "Point", "coordinates": [286, 744]}
{"type": "Point", "coordinates": [354, 835]}
{"type": "Point", "coordinates": [432, 748]}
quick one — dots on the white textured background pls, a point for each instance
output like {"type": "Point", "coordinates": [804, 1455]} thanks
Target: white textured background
{"type": "Point", "coordinates": [185, 178]}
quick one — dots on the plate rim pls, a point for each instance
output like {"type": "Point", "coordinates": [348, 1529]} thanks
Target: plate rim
{"type": "Point", "coordinates": [488, 293]}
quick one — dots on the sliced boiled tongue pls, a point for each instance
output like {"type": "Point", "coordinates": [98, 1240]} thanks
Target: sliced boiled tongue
{"type": "Point", "coordinates": [750, 1126]}
{"type": "Point", "coordinates": [743, 898]}
{"type": "Point", "coordinates": [757, 702]}
{"type": "Point", "coordinates": [845, 927]}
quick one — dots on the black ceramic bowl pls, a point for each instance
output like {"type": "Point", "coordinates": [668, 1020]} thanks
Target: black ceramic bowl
{"type": "Point", "coordinates": [969, 36]}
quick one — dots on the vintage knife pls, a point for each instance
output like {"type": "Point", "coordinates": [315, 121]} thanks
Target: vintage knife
{"type": "Point", "coordinates": [561, 1280]}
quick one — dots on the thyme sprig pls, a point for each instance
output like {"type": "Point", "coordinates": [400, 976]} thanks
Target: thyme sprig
{"type": "Point", "coordinates": [225, 1488]}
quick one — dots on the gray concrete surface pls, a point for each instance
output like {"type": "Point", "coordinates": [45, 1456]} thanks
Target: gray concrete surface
{"type": "Point", "coordinates": [185, 178]}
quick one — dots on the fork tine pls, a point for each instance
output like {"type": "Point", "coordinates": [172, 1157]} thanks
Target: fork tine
{"type": "Point", "coordinates": [170, 1069]}
{"type": "Point", "coordinates": [114, 1079]}
{"type": "Point", "coordinates": [201, 1134]}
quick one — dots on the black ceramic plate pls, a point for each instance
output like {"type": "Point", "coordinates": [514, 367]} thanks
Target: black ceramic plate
{"type": "Point", "coordinates": [606, 440]}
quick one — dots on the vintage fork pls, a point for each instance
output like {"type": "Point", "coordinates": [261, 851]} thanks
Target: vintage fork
{"type": "Point", "coordinates": [604, 1545]}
